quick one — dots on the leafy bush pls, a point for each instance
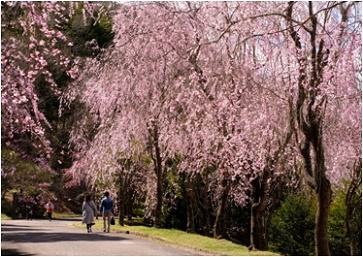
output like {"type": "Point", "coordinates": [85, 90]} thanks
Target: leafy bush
{"type": "Point", "coordinates": [19, 173]}
{"type": "Point", "coordinates": [336, 226]}
{"type": "Point", "coordinates": [6, 208]}
{"type": "Point", "coordinates": [338, 241]}
{"type": "Point", "coordinates": [292, 227]}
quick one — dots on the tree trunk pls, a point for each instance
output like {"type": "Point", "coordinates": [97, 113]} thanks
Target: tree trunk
{"type": "Point", "coordinates": [190, 211]}
{"type": "Point", "coordinates": [157, 160]}
{"type": "Point", "coordinates": [310, 109]}
{"type": "Point", "coordinates": [258, 230]}
{"type": "Point", "coordinates": [258, 239]}
{"type": "Point", "coordinates": [323, 189]}
{"type": "Point", "coordinates": [197, 205]}
{"type": "Point", "coordinates": [189, 203]}
{"type": "Point", "coordinates": [321, 219]}
{"type": "Point", "coordinates": [315, 172]}
{"type": "Point", "coordinates": [219, 229]}
{"type": "Point", "coordinates": [129, 206]}
{"type": "Point", "coordinates": [159, 203]}
{"type": "Point", "coordinates": [201, 203]}
{"type": "Point", "coordinates": [121, 202]}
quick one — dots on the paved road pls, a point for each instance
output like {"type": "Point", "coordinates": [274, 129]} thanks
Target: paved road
{"type": "Point", "coordinates": [41, 237]}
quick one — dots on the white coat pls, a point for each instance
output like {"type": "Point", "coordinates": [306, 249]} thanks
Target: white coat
{"type": "Point", "coordinates": [89, 210]}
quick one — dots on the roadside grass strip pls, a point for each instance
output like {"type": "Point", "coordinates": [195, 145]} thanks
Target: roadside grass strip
{"type": "Point", "coordinates": [178, 238]}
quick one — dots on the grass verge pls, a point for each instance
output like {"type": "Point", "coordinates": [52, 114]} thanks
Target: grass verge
{"type": "Point", "coordinates": [177, 238]}
{"type": "Point", "coordinates": [5, 217]}
{"type": "Point", "coordinates": [64, 215]}
{"type": "Point", "coordinates": [55, 216]}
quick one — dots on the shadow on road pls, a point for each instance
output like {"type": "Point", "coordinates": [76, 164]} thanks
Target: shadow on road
{"type": "Point", "coordinates": [13, 252]}
{"type": "Point", "coordinates": [24, 234]}
{"type": "Point", "coordinates": [9, 227]}
{"type": "Point", "coordinates": [54, 219]}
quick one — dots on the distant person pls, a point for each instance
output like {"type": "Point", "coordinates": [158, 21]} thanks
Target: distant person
{"type": "Point", "coordinates": [29, 210]}
{"type": "Point", "coordinates": [89, 211]}
{"type": "Point", "coordinates": [106, 208]}
{"type": "Point", "coordinates": [50, 207]}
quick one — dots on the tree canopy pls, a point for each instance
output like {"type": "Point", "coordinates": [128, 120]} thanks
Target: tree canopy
{"type": "Point", "coordinates": [221, 104]}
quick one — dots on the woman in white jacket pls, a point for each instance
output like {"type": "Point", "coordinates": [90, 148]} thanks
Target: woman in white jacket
{"type": "Point", "coordinates": [89, 211]}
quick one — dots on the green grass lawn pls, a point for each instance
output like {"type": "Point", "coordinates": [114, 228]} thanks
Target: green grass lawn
{"type": "Point", "coordinates": [183, 239]}
{"type": "Point", "coordinates": [63, 215]}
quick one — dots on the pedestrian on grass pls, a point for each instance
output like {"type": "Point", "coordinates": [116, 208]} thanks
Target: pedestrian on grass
{"type": "Point", "coordinates": [89, 211]}
{"type": "Point", "coordinates": [106, 208]}
{"type": "Point", "coordinates": [50, 207]}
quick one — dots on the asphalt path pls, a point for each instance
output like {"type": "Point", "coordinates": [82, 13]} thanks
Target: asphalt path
{"type": "Point", "coordinates": [59, 237]}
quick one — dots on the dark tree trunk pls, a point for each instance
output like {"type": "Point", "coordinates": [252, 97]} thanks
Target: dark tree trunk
{"type": "Point", "coordinates": [121, 198]}
{"type": "Point", "coordinates": [159, 204]}
{"type": "Point", "coordinates": [258, 230]}
{"type": "Point", "coordinates": [157, 160]}
{"type": "Point", "coordinates": [323, 187]}
{"type": "Point", "coordinates": [219, 229]}
{"type": "Point", "coordinates": [190, 210]}
{"type": "Point", "coordinates": [201, 203]}
{"type": "Point", "coordinates": [315, 172]}
{"type": "Point", "coordinates": [321, 220]}
{"type": "Point", "coordinates": [159, 182]}
{"type": "Point", "coordinates": [129, 206]}
{"type": "Point", "coordinates": [265, 196]}
{"type": "Point", "coordinates": [197, 202]}
{"type": "Point", "coordinates": [310, 109]}
{"type": "Point", "coordinates": [258, 239]}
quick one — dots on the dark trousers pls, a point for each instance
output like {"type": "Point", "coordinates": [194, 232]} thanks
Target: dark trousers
{"type": "Point", "coordinates": [29, 215]}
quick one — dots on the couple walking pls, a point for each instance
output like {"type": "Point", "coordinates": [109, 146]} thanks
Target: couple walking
{"type": "Point", "coordinates": [89, 210]}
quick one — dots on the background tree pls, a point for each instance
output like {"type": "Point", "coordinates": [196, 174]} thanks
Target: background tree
{"type": "Point", "coordinates": [215, 107]}
{"type": "Point", "coordinates": [183, 87]}
{"type": "Point", "coordinates": [31, 44]}
{"type": "Point", "coordinates": [37, 65]}
{"type": "Point", "coordinates": [313, 57]}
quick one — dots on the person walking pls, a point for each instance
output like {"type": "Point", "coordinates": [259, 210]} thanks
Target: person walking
{"type": "Point", "coordinates": [50, 207]}
{"type": "Point", "coordinates": [106, 208]}
{"type": "Point", "coordinates": [29, 210]}
{"type": "Point", "coordinates": [89, 211]}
